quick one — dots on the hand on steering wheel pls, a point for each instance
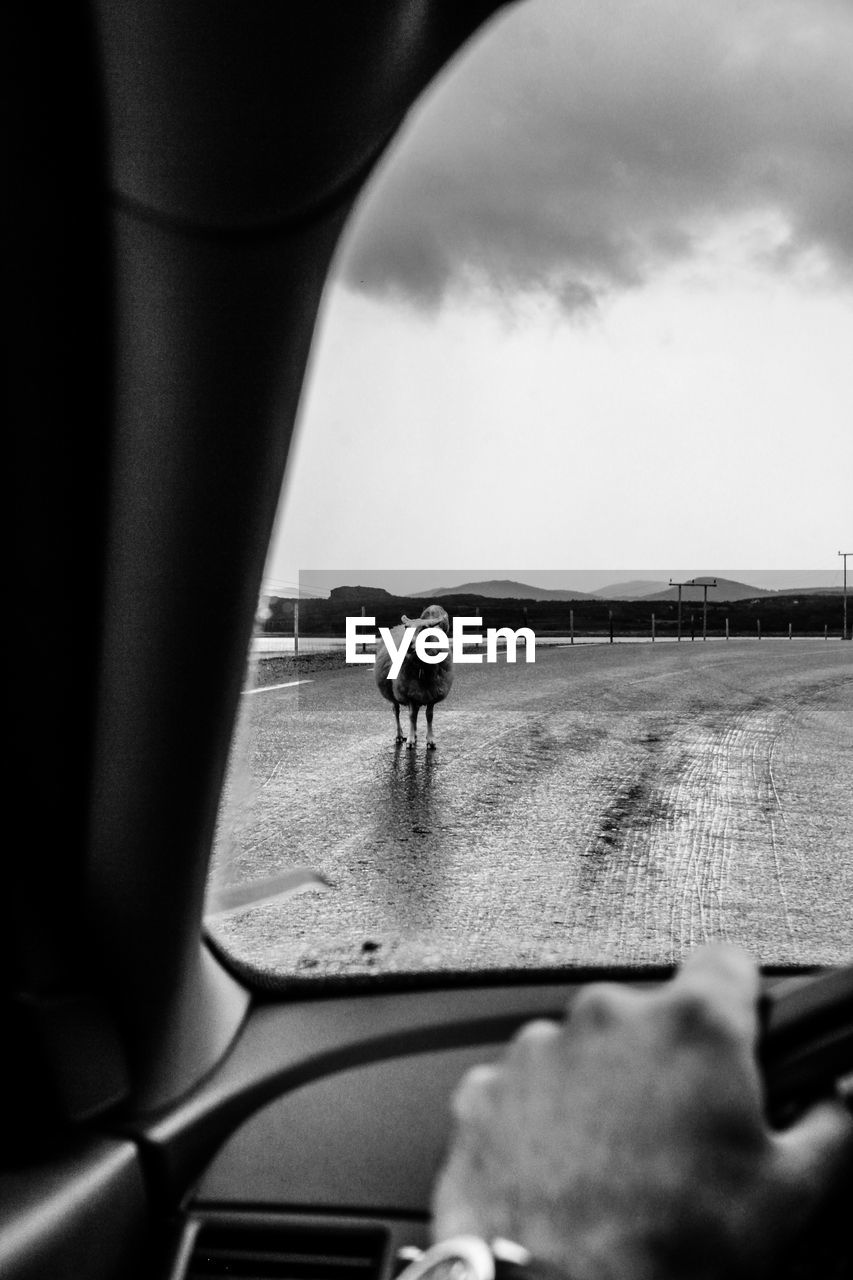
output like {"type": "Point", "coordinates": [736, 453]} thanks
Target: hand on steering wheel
{"type": "Point", "coordinates": [631, 1140]}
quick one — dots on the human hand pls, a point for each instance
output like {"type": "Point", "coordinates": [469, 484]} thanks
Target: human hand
{"type": "Point", "coordinates": [631, 1141]}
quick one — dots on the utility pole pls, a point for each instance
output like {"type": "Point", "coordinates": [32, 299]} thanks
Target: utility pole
{"type": "Point", "coordinates": [704, 586]}
{"type": "Point", "coordinates": [844, 555]}
{"type": "Point", "coordinates": [679, 585]}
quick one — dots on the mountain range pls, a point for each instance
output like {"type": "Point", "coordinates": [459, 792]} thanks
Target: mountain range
{"type": "Point", "coordinates": [635, 589]}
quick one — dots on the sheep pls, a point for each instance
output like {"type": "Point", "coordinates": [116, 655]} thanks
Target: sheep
{"type": "Point", "coordinates": [418, 684]}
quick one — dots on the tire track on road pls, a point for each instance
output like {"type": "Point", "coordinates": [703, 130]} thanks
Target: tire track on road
{"type": "Point", "coordinates": [698, 845]}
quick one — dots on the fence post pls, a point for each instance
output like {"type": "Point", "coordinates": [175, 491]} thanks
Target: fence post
{"type": "Point", "coordinates": [758, 627]}
{"type": "Point", "coordinates": [727, 626]}
{"type": "Point", "coordinates": [790, 630]}
{"type": "Point", "coordinates": [571, 626]}
{"type": "Point", "coordinates": [610, 617]}
{"type": "Point", "coordinates": [826, 631]}
{"type": "Point", "coordinates": [692, 627]}
{"type": "Point", "coordinates": [296, 628]}
{"type": "Point", "coordinates": [653, 628]}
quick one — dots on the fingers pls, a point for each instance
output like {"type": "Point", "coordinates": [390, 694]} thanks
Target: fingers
{"type": "Point", "coordinates": [457, 1207]}
{"type": "Point", "coordinates": [481, 1091]}
{"type": "Point", "coordinates": [532, 1040]}
{"type": "Point", "coordinates": [602, 1006]}
{"type": "Point", "coordinates": [818, 1148]}
{"type": "Point", "coordinates": [477, 1096]}
{"type": "Point", "coordinates": [708, 1010]}
{"type": "Point", "coordinates": [716, 991]}
{"type": "Point", "coordinates": [465, 1201]}
{"type": "Point", "coordinates": [722, 967]}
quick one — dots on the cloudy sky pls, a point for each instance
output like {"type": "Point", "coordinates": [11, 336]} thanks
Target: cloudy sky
{"type": "Point", "coordinates": [596, 310]}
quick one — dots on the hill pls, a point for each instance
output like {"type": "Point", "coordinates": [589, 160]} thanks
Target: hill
{"type": "Point", "coordinates": [726, 589]}
{"type": "Point", "coordinates": [503, 589]}
{"type": "Point", "coordinates": [634, 589]}
{"type": "Point", "coordinates": [362, 595]}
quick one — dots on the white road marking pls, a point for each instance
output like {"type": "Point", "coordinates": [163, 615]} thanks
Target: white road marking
{"type": "Point", "coordinates": [270, 688]}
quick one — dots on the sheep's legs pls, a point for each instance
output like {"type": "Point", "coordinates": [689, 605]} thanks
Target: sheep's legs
{"type": "Point", "coordinates": [412, 739]}
{"type": "Point", "coordinates": [430, 738]}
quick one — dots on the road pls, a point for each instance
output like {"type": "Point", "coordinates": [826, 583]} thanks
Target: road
{"type": "Point", "coordinates": [603, 805]}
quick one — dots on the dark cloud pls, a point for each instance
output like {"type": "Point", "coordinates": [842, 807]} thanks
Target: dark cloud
{"type": "Point", "coordinates": [583, 144]}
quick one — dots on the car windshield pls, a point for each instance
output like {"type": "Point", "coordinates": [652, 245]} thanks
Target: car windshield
{"type": "Point", "coordinates": [582, 378]}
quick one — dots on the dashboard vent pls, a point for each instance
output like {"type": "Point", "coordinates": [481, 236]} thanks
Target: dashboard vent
{"type": "Point", "coordinates": [260, 1251]}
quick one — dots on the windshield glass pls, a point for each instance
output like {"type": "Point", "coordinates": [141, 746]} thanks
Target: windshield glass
{"type": "Point", "coordinates": [590, 329]}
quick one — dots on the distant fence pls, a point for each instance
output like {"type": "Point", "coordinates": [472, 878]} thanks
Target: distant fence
{"type": "Point", "coordinates": [310, 626]}
{"type": "Point", "coordinates": [612, 629]}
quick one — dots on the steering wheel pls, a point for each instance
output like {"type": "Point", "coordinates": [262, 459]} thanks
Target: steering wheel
{"type": "Point", "coordinates": [806, 1051]}
{"type": "Point", "coordinates": [806, 1047]}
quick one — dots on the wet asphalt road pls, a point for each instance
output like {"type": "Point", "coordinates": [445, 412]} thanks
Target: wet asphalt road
{"type": "Point", "coordinates": [607, 804]}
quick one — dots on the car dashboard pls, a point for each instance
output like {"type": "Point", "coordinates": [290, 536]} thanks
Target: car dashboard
{"type": "Point", "coordinates": [335, 1115]}
{"type": "Point", "coordinates": [348, 1118]}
